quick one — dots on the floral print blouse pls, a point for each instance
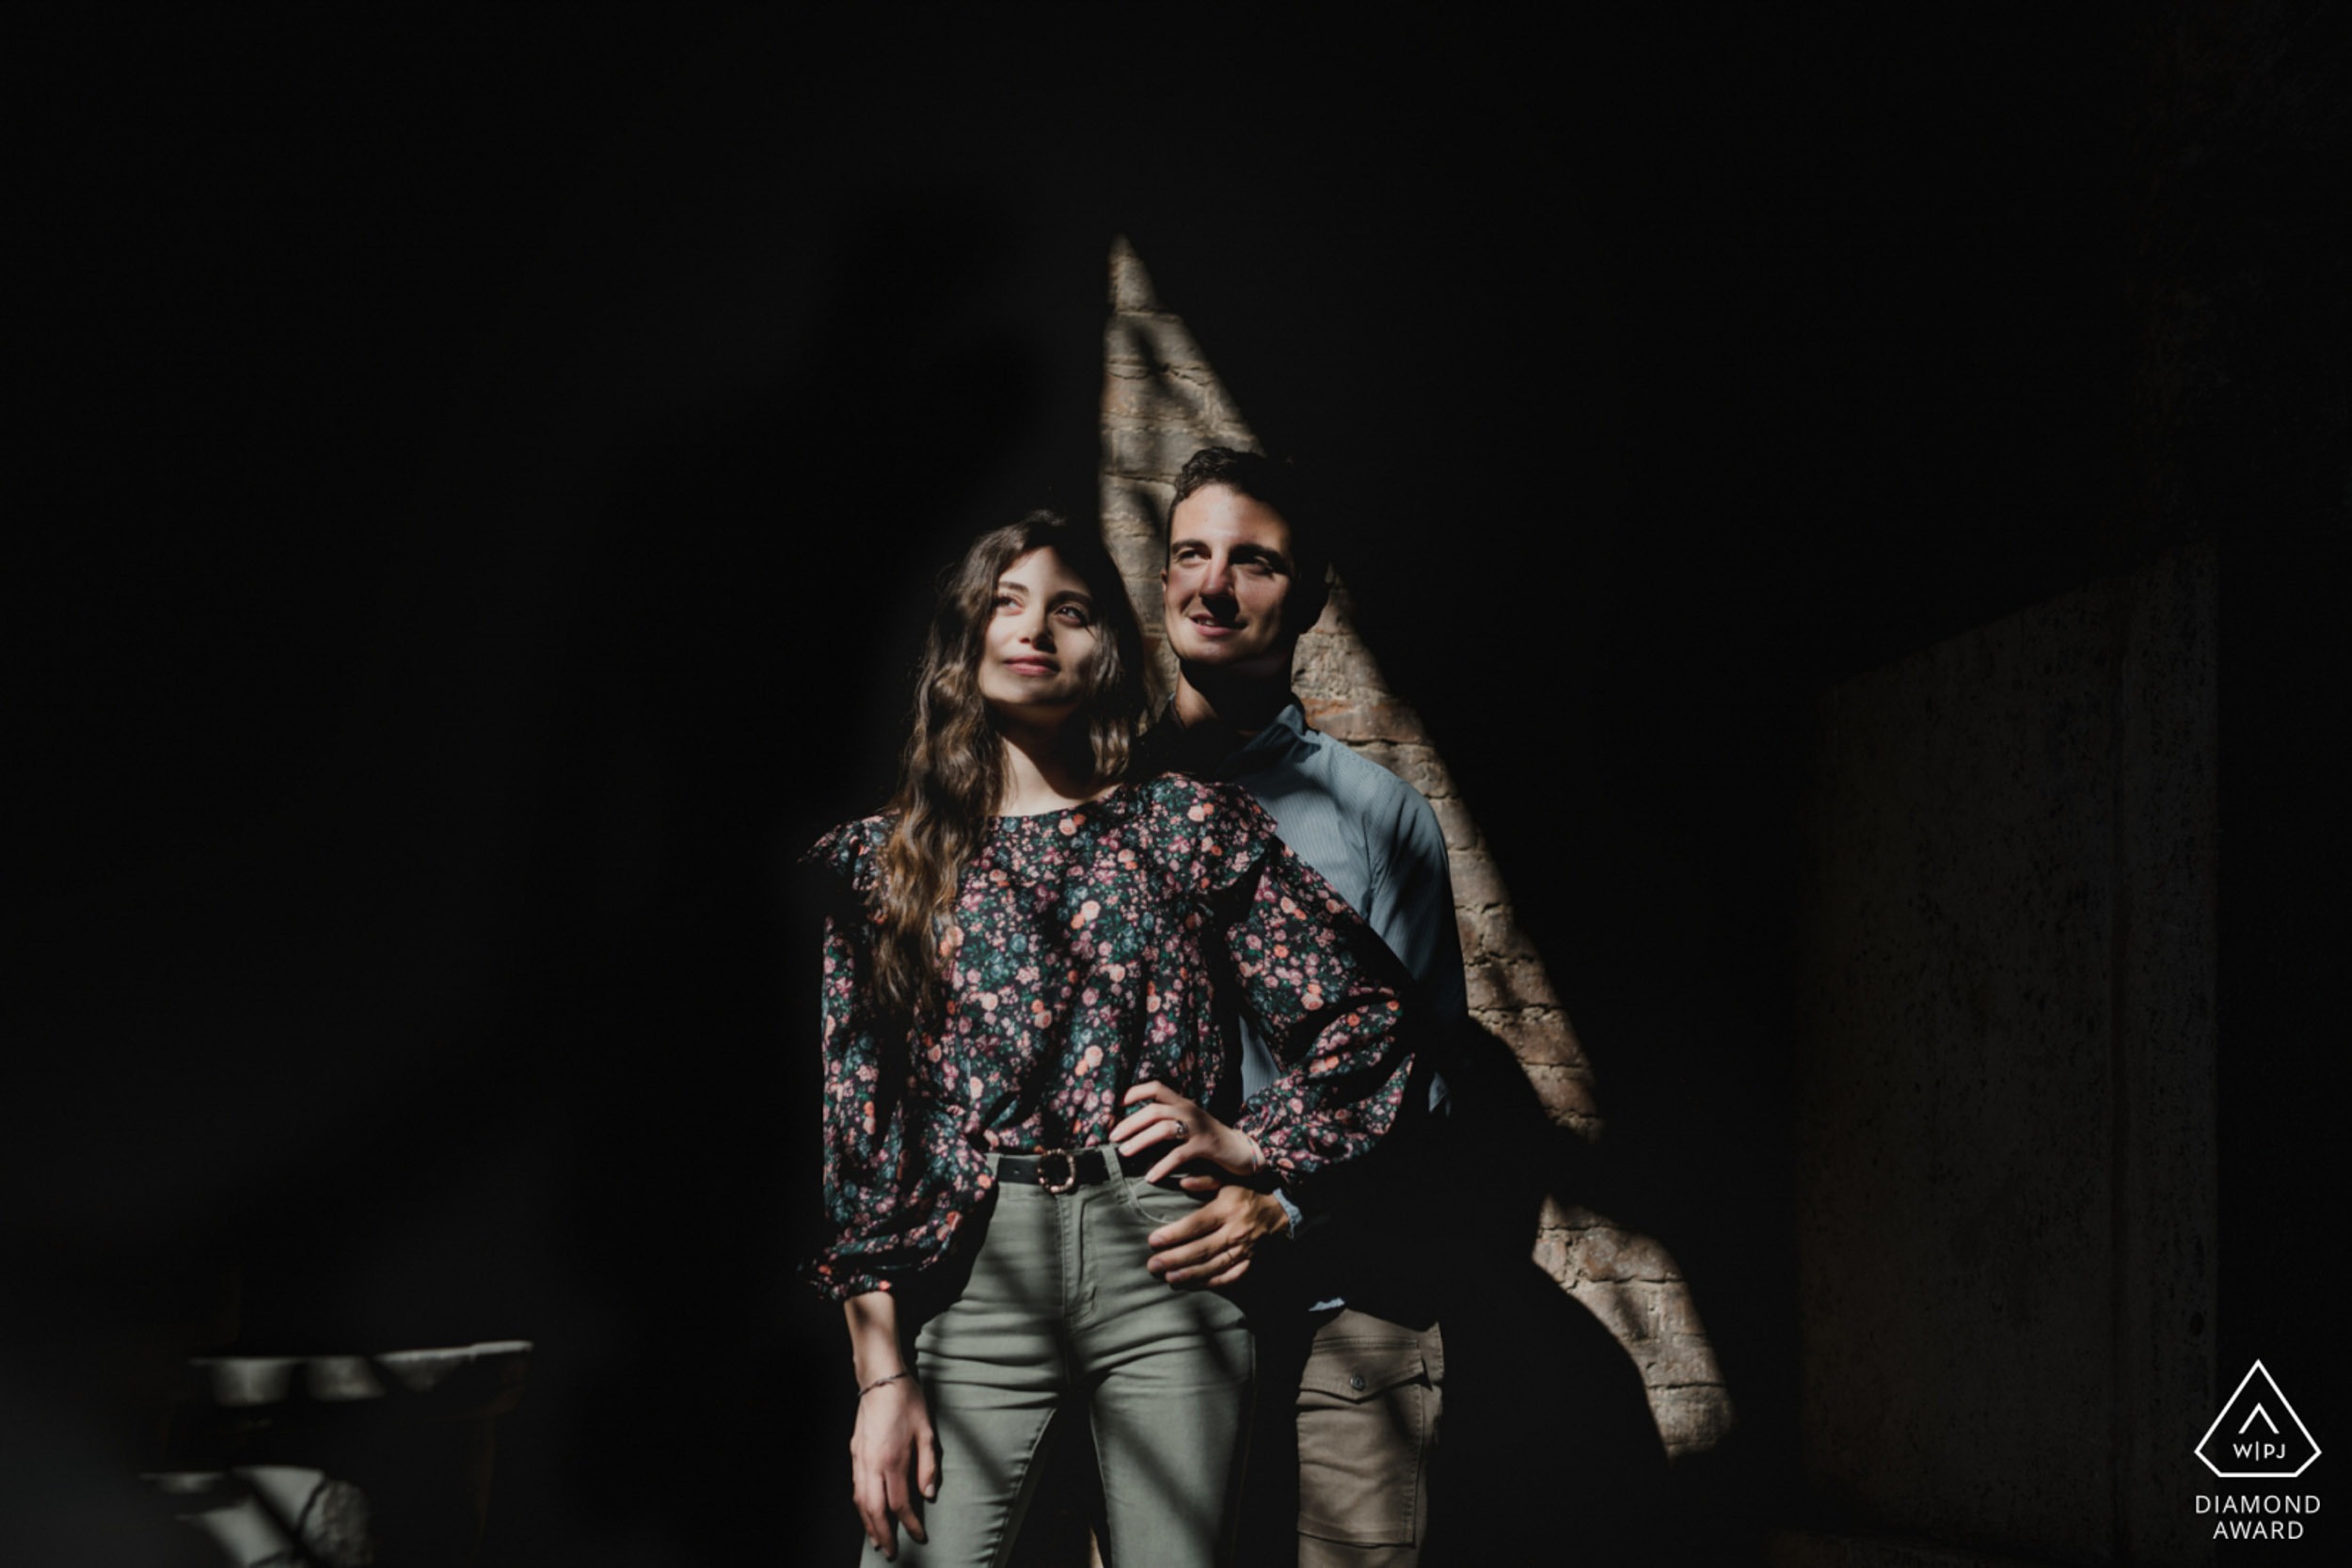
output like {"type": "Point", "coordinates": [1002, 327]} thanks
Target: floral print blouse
{"type": "Point", "coordinates": [1092, 949]}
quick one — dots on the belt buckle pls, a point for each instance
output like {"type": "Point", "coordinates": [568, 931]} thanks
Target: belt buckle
{"type": "Point", "coordinates": [1068, 1182]}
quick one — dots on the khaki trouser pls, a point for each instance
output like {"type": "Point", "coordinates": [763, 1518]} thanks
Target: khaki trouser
{"type": "Point", "coordinates": [1368, 1408]}
{"type": "Point", "coordinates": [1059, 1312]}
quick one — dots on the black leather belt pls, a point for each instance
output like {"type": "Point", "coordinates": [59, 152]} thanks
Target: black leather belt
{"type": "Point", "coordinates": [1059, 1170]}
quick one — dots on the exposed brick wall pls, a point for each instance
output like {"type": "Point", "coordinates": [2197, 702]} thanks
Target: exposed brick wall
{"type": "Point", "coordinates": [1161, 401]}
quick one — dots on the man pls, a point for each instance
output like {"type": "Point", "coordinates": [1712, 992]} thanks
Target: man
{"type": "Point", "coordinates": [1244, 578]}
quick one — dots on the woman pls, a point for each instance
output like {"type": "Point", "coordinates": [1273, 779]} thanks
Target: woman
{"type": "Point", "coordinates": [1024, 1075]}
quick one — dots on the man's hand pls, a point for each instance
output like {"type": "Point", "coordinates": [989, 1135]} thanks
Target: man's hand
{"type": "Point", "coordinates": [1211, 1246]}
{"type": "Point", "coordinates": [1160, 1115]}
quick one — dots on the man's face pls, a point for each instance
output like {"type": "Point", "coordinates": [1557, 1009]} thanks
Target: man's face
{"type": "Point", "coordinates": [1229, 571]}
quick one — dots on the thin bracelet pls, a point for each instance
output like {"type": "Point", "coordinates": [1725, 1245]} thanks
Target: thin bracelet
{"type": "Point", "coordinates": [879, 1381]}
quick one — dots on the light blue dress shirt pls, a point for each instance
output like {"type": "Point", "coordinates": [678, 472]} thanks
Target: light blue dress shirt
{"type": "Point", "coordinates": [1378, 842]}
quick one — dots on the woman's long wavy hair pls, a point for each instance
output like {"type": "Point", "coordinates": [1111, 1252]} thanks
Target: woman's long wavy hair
{"type": "Point", "coordinates": [951, 777]}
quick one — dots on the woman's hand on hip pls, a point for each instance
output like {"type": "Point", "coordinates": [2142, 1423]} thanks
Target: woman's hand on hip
{"type": "Point", "coordinates": [893, 1455]}
{"type": "Point", "coordinates": [1158, 1115]}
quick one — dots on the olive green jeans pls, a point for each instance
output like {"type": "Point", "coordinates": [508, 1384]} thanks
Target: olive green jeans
{"type": "Point", "coordinates": [1059, 1314]}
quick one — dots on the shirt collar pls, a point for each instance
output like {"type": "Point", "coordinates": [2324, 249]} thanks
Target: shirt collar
{"type": "Point", "coordinates": [1171, 746]}
{"type": "Point", "coordinates": [1269, 745]}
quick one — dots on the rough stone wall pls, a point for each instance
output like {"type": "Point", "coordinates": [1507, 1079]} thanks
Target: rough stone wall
{"type": "Point", "coordinates": [2005, 1143]}
{"type": "Point", "coordinates": [1161, 401]}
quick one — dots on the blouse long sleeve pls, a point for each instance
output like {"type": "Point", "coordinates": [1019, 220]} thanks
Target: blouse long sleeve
{"type": "Point", "coordinates": [1319, 986]}
{"type": "Point", "coordinates": [1088, 950]}
{"type": "Point", "coordinates": [886, 1213]}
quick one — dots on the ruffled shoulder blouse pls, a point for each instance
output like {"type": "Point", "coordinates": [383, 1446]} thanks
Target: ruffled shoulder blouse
{"type": "Point", "coordinates": [1091, 949]}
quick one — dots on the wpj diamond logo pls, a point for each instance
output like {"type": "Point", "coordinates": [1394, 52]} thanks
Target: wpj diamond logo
{"type": "Point", "coordinates": [2258, 1435]}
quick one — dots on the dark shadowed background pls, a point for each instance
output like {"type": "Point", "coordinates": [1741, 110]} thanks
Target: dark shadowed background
{"type": "Point", "coordinates": [485, 473]}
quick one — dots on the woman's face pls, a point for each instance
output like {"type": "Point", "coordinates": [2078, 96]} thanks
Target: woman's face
{"type": "Point", "coordinates": [1042, 641]}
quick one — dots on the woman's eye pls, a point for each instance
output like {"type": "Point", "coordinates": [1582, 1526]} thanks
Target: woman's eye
{"type": "Point", "coordinates": [1074, 615]}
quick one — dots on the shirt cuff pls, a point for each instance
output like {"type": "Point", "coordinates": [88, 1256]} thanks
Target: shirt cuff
{"type": "Point", "coordinates": [1291, 1209]}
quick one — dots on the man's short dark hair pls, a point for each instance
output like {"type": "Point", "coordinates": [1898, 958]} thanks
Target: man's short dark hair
{"type": "Point", "coordinates": [1285, 488]}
